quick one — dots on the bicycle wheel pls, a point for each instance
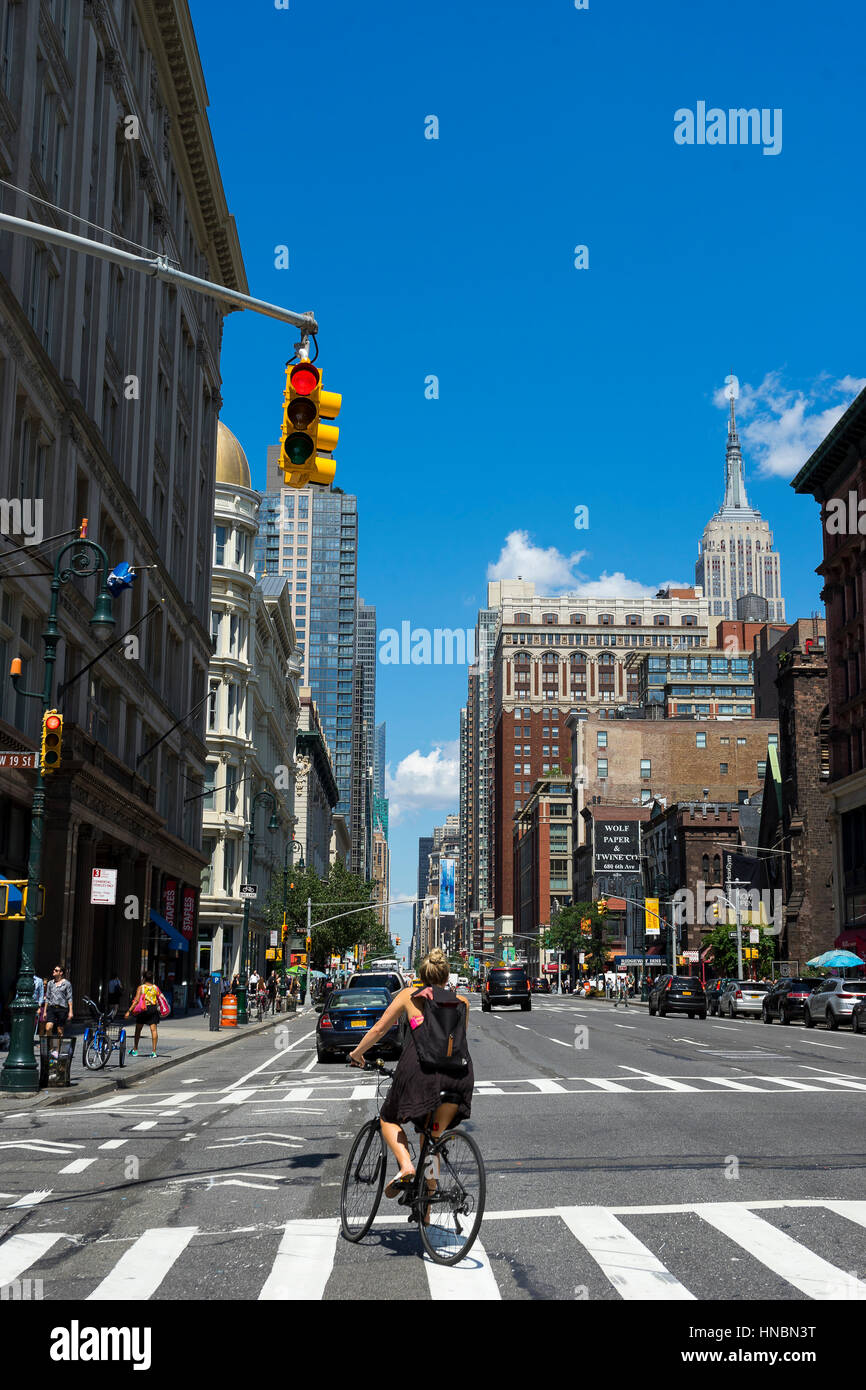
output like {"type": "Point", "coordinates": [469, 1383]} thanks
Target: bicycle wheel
{"type": "Point", "coordinates": [363, 1182]}
{"type": "Point", "coordinates": [456, 1204]}
{"type": "Point", "coordinates": [97, 1052]}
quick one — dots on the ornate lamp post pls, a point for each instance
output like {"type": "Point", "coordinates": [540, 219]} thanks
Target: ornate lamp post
{"type": "Point", "coordinates": [20, 1074]}
{"type": "Point", "coordinates": [273, 824]}
{"type": "Point", "coordinates": [290, 850]}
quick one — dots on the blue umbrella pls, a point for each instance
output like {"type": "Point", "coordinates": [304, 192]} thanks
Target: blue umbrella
{"type": "Point", "coordinates": [840, 959]}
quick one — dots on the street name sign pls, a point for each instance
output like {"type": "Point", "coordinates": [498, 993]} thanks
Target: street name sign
{"type": "Point", "coordinates": [11, 759]}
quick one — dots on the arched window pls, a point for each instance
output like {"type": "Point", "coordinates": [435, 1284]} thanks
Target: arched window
{"type": "Point", "coordinates": [705, 868]}
{"type": "Point", "coordinates": [549, 619]}
{"type": "Point", "coordinates": [824, 744]}
{"type": "Point", "coordinates": [578, 619]}
{"type": "Point", "coordinates": [522, 618]}
{"type": "Point", "coordinates": [662, 620]}
{"type": "Point", "coordinates": [689, 620]}
{"type": "Point", "coordinates": [633, 620]}
{"type": "Point", "coordinates": [717, 869]}
{"type": "Point", "coordinates": [606, 619]}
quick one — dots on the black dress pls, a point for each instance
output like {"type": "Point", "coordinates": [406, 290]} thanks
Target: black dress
{"type": "Point", "coordinates": [414, 1092]}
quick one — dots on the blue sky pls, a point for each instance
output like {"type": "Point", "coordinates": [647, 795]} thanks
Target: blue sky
{"type": "Point", "coordinates": [454, 258]}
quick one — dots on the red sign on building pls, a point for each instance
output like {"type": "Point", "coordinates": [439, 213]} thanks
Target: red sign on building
{"type": "Point", "coordinates": [188, 918]}
{"type": "Point", "coordinates": [169, 900]}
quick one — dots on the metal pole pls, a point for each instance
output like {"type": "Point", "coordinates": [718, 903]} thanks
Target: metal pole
{"type": "Point", "coordinates": [308, 994]}
{"type": "Point", "coordinates": [157, 266]}
{"type": "Point", "coordinates": [243, 1012]}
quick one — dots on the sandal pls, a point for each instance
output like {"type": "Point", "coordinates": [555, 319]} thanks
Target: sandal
{"type": "Point", "coordinates": [399, 1184]}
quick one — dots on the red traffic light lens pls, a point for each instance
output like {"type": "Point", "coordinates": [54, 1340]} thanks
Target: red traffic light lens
{"type": "Point", "coordinates": [52, 722]}
{"type": "Point", "coordinates": [305, 379]}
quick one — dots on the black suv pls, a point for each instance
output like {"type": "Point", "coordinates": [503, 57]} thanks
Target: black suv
{"type": "Point", "coordinates": [677, 994]}
{"type": "Point", "coordinates": [715, 990]}
{"type": "Point", "coordinates": [506, 984]}
{"type": "Point", "coordinates": [785, 999]}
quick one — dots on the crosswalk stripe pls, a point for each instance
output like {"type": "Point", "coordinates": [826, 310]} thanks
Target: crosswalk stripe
{"type": "Point", "coordinates": [791, 1084]}
{"type": "Point", "coordinates": [848, 1084]}
{"type": "Point", "coordinates": [548, 1088]}
{"type": "Point", "coordinates": [472, 1280]}
{"type": "Point", "coordinates": [20, 1251]}
{"type": "Point", "coordinates": [303, 1262]}
{"type": "Point", "coordinates": [142, 1268]}
{"type": "Point", "coordinates": [634, 1271]}
{"type": "Point", "coordinates": [666, 1082]}
{"type": "Point", "coordinates": [733, 1085]}
{"type": "Point", "coordinates": [78, 1165]}
{"type": "Point", "coordinates": [853, 1211]}
{"type": "Point", "coordinates": [781, 1253]}
{"type": "Point", "coordinates": [605, 1085]}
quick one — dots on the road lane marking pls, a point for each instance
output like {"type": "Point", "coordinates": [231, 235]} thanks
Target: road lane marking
{"type": "Point", "coordinates": [114, 1143]}
{"type": "Point", "coordinates": [78, 1165]}
{"type": "Point", "coordinates": [792, 1085]}
{"type": "Point", "coordinates": [733, 1085]}
{"type": "Point", "coordinates": [633, 1270]}
{"type": "Point", "coordinates": [238, 1097]}
{"type": "Point", "coordinates": [277, 1057]}
{"type": "Point", "coordinates": [606, 1085]}
{"type": "Point", "coordinates": [472, 1280]}
{"type": "Point", "coordinates": [298, 1093]}
{"type": "Point", "coordinates": [19, 1252]}
{"type": "Point", "coordinates": [523, 1027]}
{"type": "Point", "coordinates": [310, 1065]}
{"type": "Point", "coordinates": [559, 1040]}
{"type": "Point", "coordinates": [666, 1081]}
{"type": "Point", "coordinates": [630, 1026]}
{"type": "Point", "coordinates": [548, 1088]}
{"type": "Point", "coordinates": [31, 1199]}
{"type": "Point", "coordinates": [842, 1081]}
{"type": "Point", "coordinates": [810, 1042]}
{"type": "Point", "coordinates": [146, 1124]}
{"type": "Point", "coordinates": [303, 1263]}
{"type": "Point", "coordinates": [142, 1268]}
{"type": "Point", "coordinates": [786, 1257]}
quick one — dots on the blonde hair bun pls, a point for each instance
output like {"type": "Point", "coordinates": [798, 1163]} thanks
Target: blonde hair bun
{"type": "Point", "coordinates": [434, 968]}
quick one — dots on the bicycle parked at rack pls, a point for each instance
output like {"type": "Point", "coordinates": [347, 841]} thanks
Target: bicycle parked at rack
{"type": "Point", "coordinates": [447, 1195]}
{"type": "Point", "coordinates": [102, 1039]}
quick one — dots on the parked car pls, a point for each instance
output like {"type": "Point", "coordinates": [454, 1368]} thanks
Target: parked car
{"type": "Point", "coordinates": [858, 1016]}
{"type": "Point", "coordinates": [346, 1018]}
{"type": "Point", "coordinates": [786, 999]}
{"type": "Point", "coordinates": [677, 994]}
{"type": "Point", "coordinates": [506, 984]}
{"type": "Point", "coordinates": [743, 998]}
{"type": "Point", "coordinates": [370, 979]}
{"type": "Point", "coordinates": [833, 1002]}
{"type": "Point", "coordinates": [715, 990]}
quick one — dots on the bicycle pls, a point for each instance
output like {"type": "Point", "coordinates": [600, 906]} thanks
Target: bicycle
{"type": "Point", "coordinates": [446, 1198]}
{"type": "Point", "coordinates": [100, 1042]}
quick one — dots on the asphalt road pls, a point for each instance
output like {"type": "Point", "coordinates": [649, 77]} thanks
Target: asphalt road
{"type": "Point", "coordinates": [627, 1158]}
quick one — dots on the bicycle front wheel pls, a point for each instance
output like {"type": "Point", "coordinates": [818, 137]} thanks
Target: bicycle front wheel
{"type": "Point", "coordinates": [97, 1052]}
{"type": "Point", "coordinates": [457, 1189]}
{"type": "Point", "coordinates": [363, 1182]}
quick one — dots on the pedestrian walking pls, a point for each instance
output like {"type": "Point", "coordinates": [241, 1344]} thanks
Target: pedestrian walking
{"type": "Point", "coordinates": [272, 992]}
{"type": "Point", "coordinates": [58, 1005]}
{"type": "Point", "coordinates": [115, 990]}
{"type": "Point", "coordinates": [146, 1008]}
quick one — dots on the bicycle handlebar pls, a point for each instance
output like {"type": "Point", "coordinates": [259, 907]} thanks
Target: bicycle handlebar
{"type": "Point", "coordinates": [378, 1066]}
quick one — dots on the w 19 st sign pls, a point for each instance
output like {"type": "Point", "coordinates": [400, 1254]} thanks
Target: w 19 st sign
{"type": "Point", "coordinates": [616, 847]}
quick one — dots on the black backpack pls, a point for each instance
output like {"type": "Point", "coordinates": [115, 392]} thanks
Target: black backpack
{"type": "Point", "coordinates": [440, 1040]}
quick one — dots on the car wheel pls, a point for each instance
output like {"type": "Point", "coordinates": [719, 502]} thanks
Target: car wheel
{"type": "Point", "coordinates": [831, 1020]}
{"type": "Point", "coordinates": [703, 1015]}
{"type": "Point", "coordinates": [321, 1054]}
{"type": "Point", "coordinates": [784, 1017]}
{"type": "Point", "coordinates": [485, 1008]}
{"type": "Point", "coordinates": [732, 1010]}
{"type": "Point", "coordinates": [527, 1006]}
{"type": "Point", "coordinates": [652, 1012]}
{"type": "Point", "coordinates": [663, 1013]}
{"type": "Point", "coordinates": [855, 1023]}
{"type": "Point", "coordinates": [765, 1014]}
{"type": "Point", "coordinates": [808, 1020]}
{"type": "Point", "coordinates": [691, 1013]}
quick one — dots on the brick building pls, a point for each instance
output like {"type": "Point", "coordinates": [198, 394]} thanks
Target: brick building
{"type": "Point", "coordinates": [795, 827]}
{"type": "Point", "coordinates": [835, 476]}
{"type": "Point", "coordinates": [542, 860]}
{"type": "Point", "coordinates": [770, 641]}
{"type": "Point", "coordinates": [684, 847]}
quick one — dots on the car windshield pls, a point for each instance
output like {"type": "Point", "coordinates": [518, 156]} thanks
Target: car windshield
{"type": "Point", "coordinates": [360, 999]}
{"type": "Point", "coordinates": [854, 986]}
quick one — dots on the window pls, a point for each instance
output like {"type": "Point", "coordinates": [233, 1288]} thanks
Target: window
{"type": "Point", "coordinates": [523, 618]}
{"type": "Point", "coordinates": [212, 706]}
{"type": "Point", "coordinates": [772, 740]}
{"type": "Point", "coordinates": [700, 740]}
{"type": "Point", "coordinates": [228, 867]}
{"type": "Point", "coordinates": [221, 533]}
{"type": "Point", "coordinates": [578, 619]}
{"type": "Point", "coordinates": [724, 740]}
{"type": "Point", "coordinates": [762, 768]}
{"type": "Point", "coordinates": [7, 52]}
{"type": "Point", "coordinates": [633, 619]}
{"type": "Point", "coordinates": [723, 769]}
{"type": "Point", "coordinates": [208, 798]}
{"type": "Point", "coordinates": [741, 742]}
{"type": "Point", "coordinates": [689, 620]}
{"type": "Point", "coordinates": [602, 767]}
{"type": "Point", "coordinates": [646, 767]}
{"type": "Point", "coordinates": [549, 619]}
{"type": "Point", "coordinates": [661, 620]}
{"type": "Point", "coordinates": [705, 867]}
{"type": "Point", "coordinates": [232, 707]}
{"type": "Point", "coordinates": [606, 619]}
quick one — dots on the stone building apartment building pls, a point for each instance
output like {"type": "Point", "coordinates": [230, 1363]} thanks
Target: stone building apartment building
{"type": "Point", "coordinates": [109, 398]}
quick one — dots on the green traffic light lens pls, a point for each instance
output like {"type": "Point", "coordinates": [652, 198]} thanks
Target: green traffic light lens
{"type": "Point", "coordinates": [298, 448]}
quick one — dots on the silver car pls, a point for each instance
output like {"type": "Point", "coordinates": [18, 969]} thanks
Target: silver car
{"type": "Point", "coordinates": [742, 997]}
{"type": "Point", "coordinates": [833, 1002]}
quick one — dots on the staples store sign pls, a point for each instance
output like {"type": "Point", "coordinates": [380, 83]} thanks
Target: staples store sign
{"type": "Point", "coordinates": [616, 847]}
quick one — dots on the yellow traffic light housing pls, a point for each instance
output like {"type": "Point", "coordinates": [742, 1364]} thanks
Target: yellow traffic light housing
{"type": "Point", "coordinates": [52, 741]}
{"type": "Point", "coordinates": [306, 443]}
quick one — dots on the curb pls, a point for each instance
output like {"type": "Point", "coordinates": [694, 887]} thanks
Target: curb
{"type": "Point", "coordinates": [70, 1096]}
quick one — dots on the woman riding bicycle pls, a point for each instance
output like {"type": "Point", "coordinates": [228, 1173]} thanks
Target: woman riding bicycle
{"type": "Point", "coordinates": [415, 1091]}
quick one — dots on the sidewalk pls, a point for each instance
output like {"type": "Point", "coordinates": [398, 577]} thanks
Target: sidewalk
{"type": "Point", "coordinates": [180, 1040]}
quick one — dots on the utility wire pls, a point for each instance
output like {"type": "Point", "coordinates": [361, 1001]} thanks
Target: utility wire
{"type": "Point", "coordinates": [64, 212]}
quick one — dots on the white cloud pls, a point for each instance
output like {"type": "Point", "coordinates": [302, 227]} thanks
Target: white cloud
{"type": "Point", "coordinates": [783, 424]}
{"type": "Point", "coordinates": [552, 572]}
{"type": "Point", "coordinates": [549, 569]}
{"type": "Point", "coordinates": [424, 780]}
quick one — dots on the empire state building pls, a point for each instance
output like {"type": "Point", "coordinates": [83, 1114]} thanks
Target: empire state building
{"type": "Point", "coordinates": [736, 555]}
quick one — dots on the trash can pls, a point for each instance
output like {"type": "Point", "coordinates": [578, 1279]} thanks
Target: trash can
{"type": "Point", "coordinates": [55, 1070]}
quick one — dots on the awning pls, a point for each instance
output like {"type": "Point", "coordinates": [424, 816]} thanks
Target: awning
{"type": "Point", "coordinates": [177, 939]}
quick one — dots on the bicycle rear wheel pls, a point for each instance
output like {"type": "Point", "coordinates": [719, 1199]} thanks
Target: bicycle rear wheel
{"type": "Point", "coordinates": [363, 1182]}
{"type": "Point", "coordinates": [97, 1051]}
{"type": "Point", "coordinates": [455, 1207]}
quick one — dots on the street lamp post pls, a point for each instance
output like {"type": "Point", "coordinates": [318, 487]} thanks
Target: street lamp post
{"type": "Point", "coordinates": [20, 1074]}
{"type": "Point", "coordinates": [273, 824]}
{"type": "Point", "coordinates": [290, 848]}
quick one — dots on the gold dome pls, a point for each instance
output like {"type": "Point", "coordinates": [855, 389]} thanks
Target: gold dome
{"type": "Point", "coordinates": [231, 463]}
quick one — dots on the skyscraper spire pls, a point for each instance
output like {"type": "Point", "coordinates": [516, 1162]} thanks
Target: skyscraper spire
{"type": "Point", "coordinates": [735, 487]}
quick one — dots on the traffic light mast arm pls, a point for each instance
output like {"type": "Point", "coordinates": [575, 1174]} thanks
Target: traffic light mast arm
{"type": "Point", "coordinates": [159, 267]}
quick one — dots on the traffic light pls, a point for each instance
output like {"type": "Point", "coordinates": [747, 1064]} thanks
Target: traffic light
{"type": "Point", "coordinates": [602, 906]}
{"type": "Point", "coordinates": [306, 443]}
{"type": "Point", "coordinates": [396, 941]}
{"type": "Point", "coordinates": [52, 741]}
